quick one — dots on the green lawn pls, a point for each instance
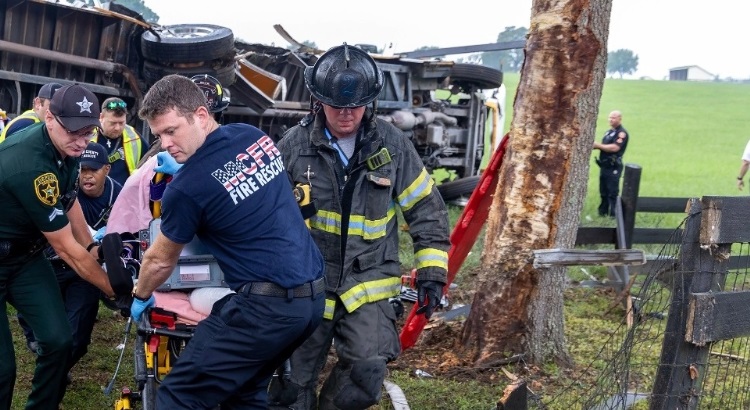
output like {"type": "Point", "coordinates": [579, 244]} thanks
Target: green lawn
{"type": "Point", "coordinates": [686, 136]}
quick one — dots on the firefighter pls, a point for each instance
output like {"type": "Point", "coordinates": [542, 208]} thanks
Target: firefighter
{"type": "Point", "coordinates": [35, 114]}
{"type": "Point", "coordinates": [123, 144]}
{"type": "Point", "coordinates": [360, 169]}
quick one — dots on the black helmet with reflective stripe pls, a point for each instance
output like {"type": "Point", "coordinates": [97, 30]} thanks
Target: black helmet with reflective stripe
{"type": "Point", "coordinates": [344, 76]}
{"type": "Point", "coordinates": [217, 96]}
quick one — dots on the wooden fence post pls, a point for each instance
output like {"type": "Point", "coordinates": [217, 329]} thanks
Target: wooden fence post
{"type": "Point", "coordinates": [700, 269]}
{"type": "Point", "coordinates": [630, 186]}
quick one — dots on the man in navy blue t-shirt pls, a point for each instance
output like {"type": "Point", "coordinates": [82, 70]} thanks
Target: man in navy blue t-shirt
{"type": "Point", "coordinates": [232, 192]}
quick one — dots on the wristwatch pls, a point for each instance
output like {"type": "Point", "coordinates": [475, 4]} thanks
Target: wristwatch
{"type": "Point", "coordinates": [739, 178]}
{"type": "Point", "coordinates": [135, 296]}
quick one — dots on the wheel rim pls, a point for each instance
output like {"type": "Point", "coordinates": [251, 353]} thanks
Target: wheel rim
{"type": "Point", "coordinates": [188, 32]}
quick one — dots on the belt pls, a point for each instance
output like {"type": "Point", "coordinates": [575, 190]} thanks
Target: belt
{"type": "Point", "coordinates": [305, 290]}
{"type": "Point", "coordinates": [12, 248]}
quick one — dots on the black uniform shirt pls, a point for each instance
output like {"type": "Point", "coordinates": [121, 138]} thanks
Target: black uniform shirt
{"type": "Point", "coordinates": [617, 136]}
{"type": "Point", "coordinates": [36, 184]}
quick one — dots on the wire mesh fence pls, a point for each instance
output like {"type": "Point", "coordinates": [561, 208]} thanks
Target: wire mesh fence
{"type": "Point", "coordinates": [642, 365]}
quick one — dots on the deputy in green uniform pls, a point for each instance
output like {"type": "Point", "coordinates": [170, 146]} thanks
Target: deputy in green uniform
{"type": "Point", "coordinates": [39, 170]}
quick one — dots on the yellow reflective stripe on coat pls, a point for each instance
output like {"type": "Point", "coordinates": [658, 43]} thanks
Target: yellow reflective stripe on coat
{"type": "Point", "coordinates": [371, 229]}
{"type": "Point", "coordinates": [371, 291]}
{"type": "Point", "coordinates": [431, 257]}
{"type": "Point", "coordinates": [330, 307]}
{"type": "Point", "coordinates": [329, 221]}
{"type": "Point", "coordinates": [326, 221]}
{"type": "Point", "coordinates": [420, 188]}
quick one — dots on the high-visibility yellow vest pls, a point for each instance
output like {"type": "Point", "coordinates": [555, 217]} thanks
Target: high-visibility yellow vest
{"type": "Point", "coordinates": [132, 146]}
{"type": "Point", "coordinates": [28, 115]}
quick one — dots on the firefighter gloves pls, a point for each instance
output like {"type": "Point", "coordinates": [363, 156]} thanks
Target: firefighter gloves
{"type": "Point", "coordinates": [434, 293]}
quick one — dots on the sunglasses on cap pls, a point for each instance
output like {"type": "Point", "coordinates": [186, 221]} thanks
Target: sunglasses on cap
{"type": "Point", "coordinates": [114, 105]}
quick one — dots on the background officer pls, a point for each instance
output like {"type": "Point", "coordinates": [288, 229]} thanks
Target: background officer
{"type": "Point", "coordinates": [33, 115]}
{"type": "Point", "coordinates": [360, 169]}
{"type": "Point", "coordinates": [123, 144]}
{"type": "Point", "coordinates": [38, 177]}
{"type": "Point", "coordinates": [611, 150]}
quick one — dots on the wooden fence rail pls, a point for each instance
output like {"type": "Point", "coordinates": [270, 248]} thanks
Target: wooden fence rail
{"type": "Point", "coordinates": [625, 233]}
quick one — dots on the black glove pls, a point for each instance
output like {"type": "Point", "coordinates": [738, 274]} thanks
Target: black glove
{"type": "Point", "coordinates": [434, 292]}
{"type": "Point", "coordinates": [118, 303]}
{"type": "Point", "coordinates": [398, 307]}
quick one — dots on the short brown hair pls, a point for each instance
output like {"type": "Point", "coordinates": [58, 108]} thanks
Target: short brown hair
{"type": "Point", "coordinates": [172, 92]}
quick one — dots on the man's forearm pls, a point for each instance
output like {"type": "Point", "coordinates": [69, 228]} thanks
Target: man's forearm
{"type": "Point", "coordinates": [78, 224]}
{"type": "Point", "coordinates": [153, 273]}
{"type": "Point", "coordinates": [743, 169]}
{"type": "Point", "coordinates": [88, 268]}
{"type": "Point", "coordinates": [610, 148]}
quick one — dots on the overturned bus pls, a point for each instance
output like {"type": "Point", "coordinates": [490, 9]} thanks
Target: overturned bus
{"type": "Point", "coordinates": [452, 112]}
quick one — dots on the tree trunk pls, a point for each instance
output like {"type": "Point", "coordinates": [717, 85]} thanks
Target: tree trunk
{"type": "Point", "coordinates": [542, 184]}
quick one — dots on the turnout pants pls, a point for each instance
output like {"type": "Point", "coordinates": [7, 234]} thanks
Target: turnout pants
{"type": "Point", "coordinates": [235, 350]}
{"type": "Point", "coordinates": [30, 286]}
{"type": "Point", "coordinates": [365, 341]}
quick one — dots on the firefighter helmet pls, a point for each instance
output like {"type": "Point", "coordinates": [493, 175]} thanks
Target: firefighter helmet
{"type": "Point", "coordinates": [217, 96]}
{"type": "Point", "coordinates": [344, 76]}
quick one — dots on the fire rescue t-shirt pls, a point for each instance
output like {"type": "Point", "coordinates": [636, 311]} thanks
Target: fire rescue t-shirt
{"type": "Point", "coordinates": [36, 184]}
{"type": "Point", "coordinates": [234, 194]}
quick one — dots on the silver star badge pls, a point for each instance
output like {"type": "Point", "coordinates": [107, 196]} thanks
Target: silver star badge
{"type": "Point", "coordinates": [85, 105]}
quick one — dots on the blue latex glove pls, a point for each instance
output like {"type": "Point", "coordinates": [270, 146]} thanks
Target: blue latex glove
{"type": "Point", "coordinates": [166, 164]}
{"type": "Point", "coordinates": [100, 234]}
{"type": "Point", "coordinates": [139, 306]}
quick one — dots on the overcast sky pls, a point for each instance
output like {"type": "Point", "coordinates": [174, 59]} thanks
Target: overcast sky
{"type": "Point", "coordinates": [662, 33]}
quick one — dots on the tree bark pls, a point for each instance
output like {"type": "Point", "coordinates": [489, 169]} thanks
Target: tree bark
{"type": "Point", "coordinates": [542, 184]}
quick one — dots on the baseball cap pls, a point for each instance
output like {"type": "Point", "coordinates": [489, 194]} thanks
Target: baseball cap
{"type": "Point", "coordinates": [76, 107]}
{"type": "Point", "coordinates": [48, 90]}
{"type": "Point", "coordinates": [94, 156]}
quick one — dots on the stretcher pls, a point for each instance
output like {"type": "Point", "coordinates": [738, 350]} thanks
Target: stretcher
{"type": "Point", "coordinates": [160, 337]}
{"type": "Point", "coordinates": [166, 329]}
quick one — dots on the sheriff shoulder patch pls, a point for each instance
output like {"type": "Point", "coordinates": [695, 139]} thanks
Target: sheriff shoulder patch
{"type": "Point", "coordinates": [47, 188]}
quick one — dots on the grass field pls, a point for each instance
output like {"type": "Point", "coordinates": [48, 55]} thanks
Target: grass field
{"type": "Point", "coordinates": [687, 137]}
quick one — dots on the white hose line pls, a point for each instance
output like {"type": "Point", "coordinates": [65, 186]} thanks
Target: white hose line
{"type": "Point", "coordinates": [398, 399]}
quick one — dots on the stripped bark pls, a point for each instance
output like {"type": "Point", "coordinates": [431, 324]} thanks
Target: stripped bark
{"type": "Point", "coordinates": [542, 184]}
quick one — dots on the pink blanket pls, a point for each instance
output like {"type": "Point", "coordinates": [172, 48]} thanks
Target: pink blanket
{"type": "Point", "coordinates": [131, 212]}
{"type": "Point", "coordinates": [179, 303]}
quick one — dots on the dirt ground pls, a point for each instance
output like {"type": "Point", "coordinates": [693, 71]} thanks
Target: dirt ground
{"type": "Point", "coordinates": [435, 351]}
